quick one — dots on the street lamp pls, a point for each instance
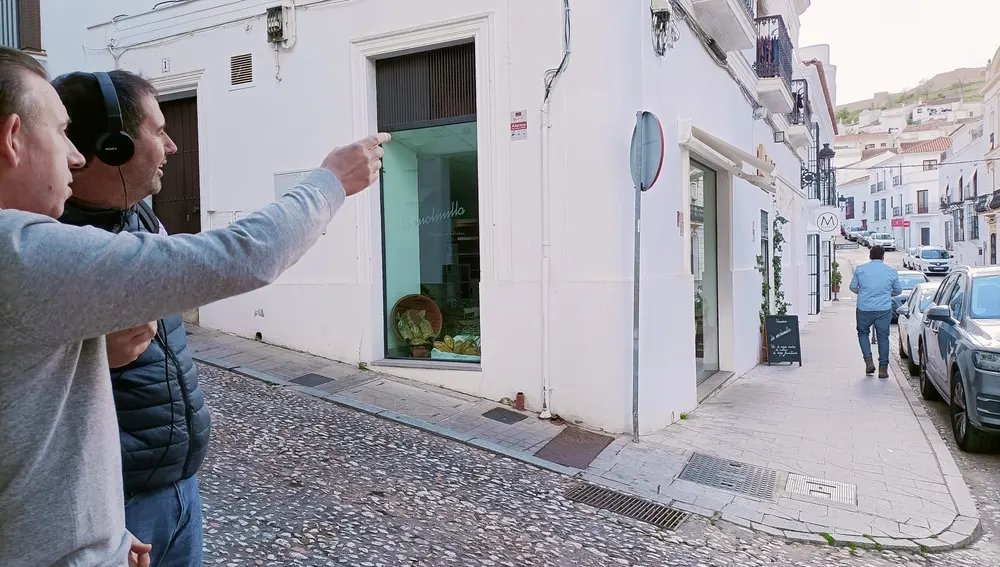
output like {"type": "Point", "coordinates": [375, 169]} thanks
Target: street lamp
{"type": "Point", "coordinates": [820, 178]}
{"type": "Point", "coordinates": [827, 176]}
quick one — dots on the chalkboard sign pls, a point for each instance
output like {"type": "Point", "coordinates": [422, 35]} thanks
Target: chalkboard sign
{"type": "Point", "coordinates": [783, 342]}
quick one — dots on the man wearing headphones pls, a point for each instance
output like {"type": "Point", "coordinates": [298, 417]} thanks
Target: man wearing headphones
{"type": "Point", "coordinates": [163, 421]}
{"type": "Point", "coordinates": [63, 288]}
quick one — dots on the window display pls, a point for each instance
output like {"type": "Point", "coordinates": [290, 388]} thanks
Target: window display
{"type": "Point", "coordinates": [430, 223]}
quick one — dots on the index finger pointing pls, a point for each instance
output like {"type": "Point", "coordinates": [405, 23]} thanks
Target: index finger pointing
{"type": "Point", "coordinates": [377, 139]}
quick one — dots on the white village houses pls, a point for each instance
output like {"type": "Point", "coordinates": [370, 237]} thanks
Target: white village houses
{"type": "Point", "coordinates": [503, 222]}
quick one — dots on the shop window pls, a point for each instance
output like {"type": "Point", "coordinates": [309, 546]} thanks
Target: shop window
{"type": "Point", "coordinates": [430, 220]}
{"type": "Point", "coordinates": [430, 205]}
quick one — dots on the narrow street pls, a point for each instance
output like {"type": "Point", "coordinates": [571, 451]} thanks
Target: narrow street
{"type": "Point", "coordinates": [294, 480]}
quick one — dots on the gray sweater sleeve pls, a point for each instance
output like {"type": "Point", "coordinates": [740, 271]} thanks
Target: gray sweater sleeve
{"type": "Point", "coordinates": [61, 284]}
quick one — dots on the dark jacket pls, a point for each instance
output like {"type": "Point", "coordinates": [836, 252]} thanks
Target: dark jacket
{"type": "Point", "coordinates": [163, 422]}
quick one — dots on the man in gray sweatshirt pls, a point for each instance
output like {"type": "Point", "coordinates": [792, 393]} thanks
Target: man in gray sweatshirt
{"type": "Point", "coordinates": [62, 288]}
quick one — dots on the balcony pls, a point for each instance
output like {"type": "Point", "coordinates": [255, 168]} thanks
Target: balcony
{"type": "Point", "coordinates": [909, 209]}
{"type": "Point", "coordinates": [729, 22]}
{"type": "Point", "coordinates": [922, 209]}
{"type": "Point", "coordinates": [774, 65]}
{"type": "Point", "coordinates": [800, 123]}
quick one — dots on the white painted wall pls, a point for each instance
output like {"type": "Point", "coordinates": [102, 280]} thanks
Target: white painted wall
{"type": "Point", "coordinates": [64, 36]}
{"type": "Point", "coordinates": [330, 303]}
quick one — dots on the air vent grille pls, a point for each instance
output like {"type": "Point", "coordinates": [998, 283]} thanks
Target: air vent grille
{"type": "Point", "coordinates": [241, 70]}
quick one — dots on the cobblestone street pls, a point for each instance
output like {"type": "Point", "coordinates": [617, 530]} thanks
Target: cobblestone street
{"type": "Point", "coordinates": [294, 480]}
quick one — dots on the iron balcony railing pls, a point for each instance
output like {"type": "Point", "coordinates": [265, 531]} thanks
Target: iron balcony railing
{"type": "Point", "coordinates": [977, 132]}
{"type": "Point", "coordinates": [9, 32]}
{"type": "Point", "coordinates": [908, 208]}
{"type": "Point", "coordinates": [750, 6]}
{"type": "Point", "coordinates": [801, 112]}
{"type": "Point", "coordinates": [873, 188]}
{"type": "Point", "coordinates": [922, 209]}
{"type": "Point", "coordinates": [897, 180]}
{"type": "Point", "coordinates": [774, 50]}
{"type": "Point", "coordinates": [881, 186]}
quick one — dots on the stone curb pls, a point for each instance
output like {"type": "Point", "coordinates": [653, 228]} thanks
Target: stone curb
{"type": "Point", "coordinates": [955, 537]}
{"type": "Point", "coordinates": [382, 413]}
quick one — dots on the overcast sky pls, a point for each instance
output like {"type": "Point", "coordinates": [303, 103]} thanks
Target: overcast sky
{"type": "Point", "coordinates": [890, 45]}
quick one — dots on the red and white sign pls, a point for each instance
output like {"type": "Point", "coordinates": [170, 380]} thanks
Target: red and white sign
{"type": "Point", "coordinates": [906, 224]}
{"type": "Point", "coordinates": [897, 223]}
{"type": "Point", "coordinates": [519, 125]}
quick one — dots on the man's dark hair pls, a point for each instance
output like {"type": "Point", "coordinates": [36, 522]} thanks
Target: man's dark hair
{"type": "Point", "coordinates": [14, 98]}
{"type": "Point", "coordinates": [877, 253]}
{"type": "Point", "coordinates": [88, 117]}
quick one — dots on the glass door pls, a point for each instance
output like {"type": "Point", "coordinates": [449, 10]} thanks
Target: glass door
{"type": "Point", "coordinates": [705, 269]}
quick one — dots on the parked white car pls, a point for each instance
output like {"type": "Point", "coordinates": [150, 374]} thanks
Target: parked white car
{"type": "Point", "coordinates": [907, 258]}
{"type": "Point", "coordinates": [911, 321]}
{"type": "Point", "coordinates": [882, 239]}
{"type": "Point", "coordinates": [933, 260]}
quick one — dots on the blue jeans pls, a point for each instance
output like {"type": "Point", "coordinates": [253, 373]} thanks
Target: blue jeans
{"type": "Point", "coordinates": [169, 519]}
{"type": "Point", "coordinates": [881, 320]}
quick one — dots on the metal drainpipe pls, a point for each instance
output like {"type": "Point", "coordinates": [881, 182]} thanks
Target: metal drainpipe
{"type": "Point", "coordinates": [550, 79]}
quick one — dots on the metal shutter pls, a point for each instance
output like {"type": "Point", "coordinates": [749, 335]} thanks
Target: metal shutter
{"type": "Point", "coordinates": [428, 88]}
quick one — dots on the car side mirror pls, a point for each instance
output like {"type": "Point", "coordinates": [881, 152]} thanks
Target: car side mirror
{"type": "Point", "coordinates": [902, 310]}
{"type": "Point", "coordinates": [940, 313]}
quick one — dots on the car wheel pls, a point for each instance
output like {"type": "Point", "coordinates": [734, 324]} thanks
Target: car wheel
{"type": "Point", "coordinates": [968, 437]}
{"type": "Point", "coordinates": [927, 390]}
{"type": "Point", "coordinates": [911, 363]}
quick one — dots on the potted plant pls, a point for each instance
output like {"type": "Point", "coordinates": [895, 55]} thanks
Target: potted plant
{"type": "Point", "coordinates": [835, 278]}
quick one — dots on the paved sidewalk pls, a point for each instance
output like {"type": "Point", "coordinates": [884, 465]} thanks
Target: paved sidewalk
{"type": "Point", "coordinates": [828, 454]}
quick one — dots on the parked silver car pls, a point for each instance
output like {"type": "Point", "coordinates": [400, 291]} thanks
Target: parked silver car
{"type": "Point", "coordinates": [907, 280]}
{"type": "Point", "coordinates": [959, 354]}
{"type": "Point", "coordinates": [911, 321]}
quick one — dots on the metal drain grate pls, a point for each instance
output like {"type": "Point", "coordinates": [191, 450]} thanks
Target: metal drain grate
{"type": "Point", "coordinates": [734, 476]}
{"type": "Point", "coordinates": [656, 514]}
{"type": "Point", "coordinates": [821, 488]}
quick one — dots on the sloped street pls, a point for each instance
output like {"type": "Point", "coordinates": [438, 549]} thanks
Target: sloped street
{"type": "Point", "coordinates": [294, 480]}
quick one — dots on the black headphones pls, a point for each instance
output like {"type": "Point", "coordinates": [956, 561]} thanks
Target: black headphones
{"type": "Point", "coordinates": [114, 147]}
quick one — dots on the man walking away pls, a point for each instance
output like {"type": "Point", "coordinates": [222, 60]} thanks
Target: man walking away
{"type": "Point", "coordinates": [163, 421]}
{"type": "Point", "coordinates": [875, 283]}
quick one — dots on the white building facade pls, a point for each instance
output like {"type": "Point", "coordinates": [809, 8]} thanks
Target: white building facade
{"type": "Point", "coordinates": [503, 223]}
{"type": "Point", "coordinates": [965, 195]}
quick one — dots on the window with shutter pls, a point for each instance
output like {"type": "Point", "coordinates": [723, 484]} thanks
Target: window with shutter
{"type": "Point", "coordinates": [29, 18]}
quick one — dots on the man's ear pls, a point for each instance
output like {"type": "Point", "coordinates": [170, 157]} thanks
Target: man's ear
{"type": "Point", "coordinates": [10, 143]}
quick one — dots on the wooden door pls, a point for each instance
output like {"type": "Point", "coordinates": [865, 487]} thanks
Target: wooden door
{"type": "Point", "coordinates": [178, 205]}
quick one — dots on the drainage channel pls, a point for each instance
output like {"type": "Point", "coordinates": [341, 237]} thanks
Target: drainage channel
{"type": "Point", "coordinates": [658, 515]}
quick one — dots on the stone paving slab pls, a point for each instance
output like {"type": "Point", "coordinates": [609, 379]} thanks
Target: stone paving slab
{"type": "Point", "coordinates": [825, 420]}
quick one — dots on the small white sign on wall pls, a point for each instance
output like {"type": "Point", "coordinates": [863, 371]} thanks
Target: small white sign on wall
{"type": "Point", "coordinates": [827, 222]}
{"type": "Point", "coordinates": [519, 125]}
{"type": "Point", "coordinates": [165, 65]}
